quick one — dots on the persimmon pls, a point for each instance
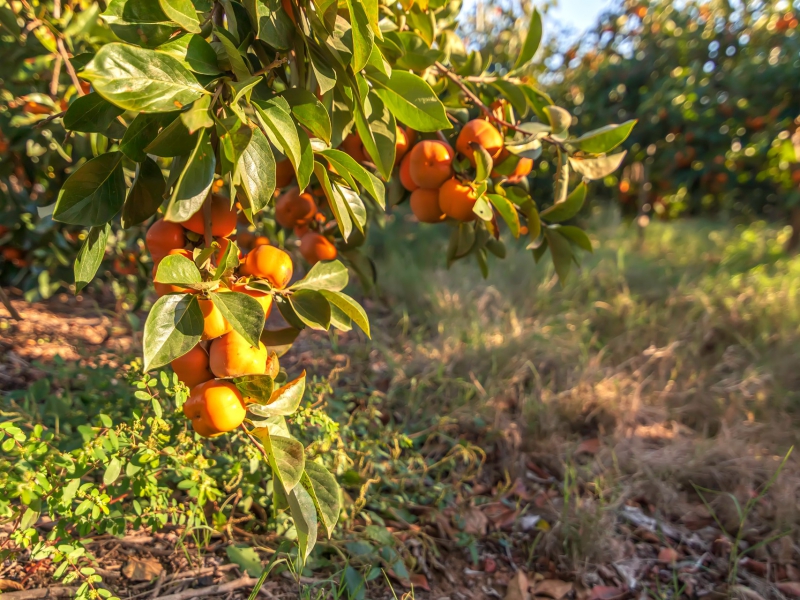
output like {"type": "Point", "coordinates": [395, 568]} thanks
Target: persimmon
{"type": "Point", "coordinates": [270, 263]}
{"type": "Point", "coordinates": [405, 174]}
{"type": "Point", "coordinates": [162, 289]}
{"type": "Point", "coordinates": [284, 173]}
{"type": "Point", "coordinates": [214, 324]}
{"type": "Point", "coordinates": [294, 209]}
{"type": "Point", "coordinates": [163, 236]}
{"type": "Point", "coordinates": [353, 146]}
{"type": "Point", "coordinates": [223, 218]}
{"type": "Point", "coordinates": [456, 200]}
{"type": "Point", "coordinates": [263, 298]}
{"type": "Point", "coordinates": [232, 356]}
{"type": "Point", "coordinates": [192, 368]}
{"type": "Point", "coordinates": [430, 163]}
{"type": "Point", "coordinates": [425, 206]}
{"type": "Point", "coordinates": [315, 247]}
{"type": "Point", "coordinates": [401, 145]}
{"type": "Point", "coordinates": [34, 108]}
{"type": "Point", "coordinates": [482, 132]}
{"type": "Point", "coordinates": [215, 407]}
{"type": "Point", "coordinates": [261, 240]}
{"type": "Point", "coordinates": [411, 136]}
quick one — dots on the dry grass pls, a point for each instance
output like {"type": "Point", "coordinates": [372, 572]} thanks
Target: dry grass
{"type": "Point", "coordinates": [680, 355]}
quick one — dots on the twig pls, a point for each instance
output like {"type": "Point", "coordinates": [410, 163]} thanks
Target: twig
{"type": "Point", "coordinates": [56, 75]}
{"type": "Point", "coordinates": [273, 65]}
{"type": "Point", "coordinates": [55, 592]}
{"type": "Point", "coordinates": [255, 442]}
{"type": "Point", "coordinates": [212, 590]}
{"type": "Point", "coordinates": [49, 118]}
{"type": "Point", "coordinates": [10, 307]}
{"type": "Point", "coordinates": [62, 49]}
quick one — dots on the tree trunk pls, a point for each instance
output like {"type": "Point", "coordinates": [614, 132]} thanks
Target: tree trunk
{"type": "Point", "coordinates": [793, 245]}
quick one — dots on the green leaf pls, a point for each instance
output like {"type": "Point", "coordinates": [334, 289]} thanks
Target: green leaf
{"type": "Point", "coordinates": [257, 172]}
{"type": "Point", "coordinates": [563, 211]}
{"type": "Point", "coordinates": [91, 255]}
{"type": "Point", "coordinates": [243, 312]}
{"type": "Point", "coordinates": [309, 111]}
{"type": "Point", "coordinates": [378, 131]}
{"type": "Point", "coordinates": [146, 194]}
{"type": "Point", "coordinates": [292, 141]}
{"type": "Point", "coordinates": [286, 457]}
{"type": "Point", "coordinates": [346, 166]}
{"type": "Point", "coordinates": [532, 40]}
{"type": "Point", "coordinates": [283, 401]}
{"type": "Point", "coordinates": [349, 307]}
{"type": "Point", "coordinates": [173, 327]}
{"type": "Point", "coordinates": [198, 116]}
{"type": "Point", "coordinates": [604, 139]}
{"type": "Point", "coordinates": [234, 137]}
{"type": "Point", "coordinates": [94, 193]}
{"type": "Point", "coordinates": [312, 309]}
{"type": "Point", "coordinates": [304, 514]}
{"type": "Point", "coordinates": [576, 235]}
{"type": "Point", "coordinates": [597, 168]}
{"type": "Point", "coordinates": [196, 174]}
{"type": "Point", "coordinates": [141, 80]}
{"type": "Point", "coordinates": [193, 52]}
{"type": "Point", "coordinates": [243, 89]}
{"type": "Point", "coordinates": [412, 101]}
{"type": "Point", "coordinates": [561, 251]}
{"type": "Point", "coordinates": [91, 114]}
{"type": "Point", "coordinates": [537, 100]}
{"type": "Point", "coordinates": [112, 471]}
{"type": "Point", "coordinates": [141, 132]}
{"type": "Point", "coordinates": [507, 212]}
{"type": "Point", "coordinates": [228, 261]}
{"type": "Point", "coordinates": [560, 119]}
{"type": "Point", "coordinates": [238, 63]}
{"type": "Point", "coordinates": [245, 557]}
{"type": "Point", "coordinates": [513, 94]}
{"type": "Point", "coordinates": [362, 34]}
{"type": "Point", "coordinates": [257, 388]}
{"type": "Point", "coordinates": [279, 340]}
{"type": "Point", "coordinates": [174, 140]}
{"type": "Point", "coordinates": [328, 275]}
{"type": "Point", "coordinates": [177, 269]}
{"type": "Point", "coordinates": [9, 21]}
{"type": "Point", "coordinates": [482, 208]}
{"type": "Point", "coordinates": [183, 13]}
{"type": "Point", "coordinates": [483, 162]}
{"type": "Point", "coordinates": [139, 22]}
{"type": "Point", "coordinates": [335, 201]}
{"type": "Point", "coordinates": [324, 491]}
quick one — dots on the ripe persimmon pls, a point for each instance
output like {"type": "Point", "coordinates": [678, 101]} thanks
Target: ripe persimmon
{"type": "Point", "coordinates": [484, 134]}
{"type": "Point", "coordinates": [270, 263]}
{"type": "Point", "coordinates": [232, 356]}
{"type": "Point", "coordinates": [425, 206]}
{"type": "Point", "coordinates": [294, 209]}
{"type": "Point", "coordinates": [430, 163]}
{"type": "Point", "coordinates": [316, 247]}
{"type": "Point", "coordinates": [405, 174]}
{"type": "Point", "coordinates": [215, 407]}
{"type": "Point", "coordinates": [223, 218]}
{"type": "Point", "coordinates": [401, 145]}
{"type": "Point", "coordinates": [261, 240]}
{"type": "Point", "coordinates": [522, 168]}
{"type": "Point", "coordinates": [214, 324]}
{"type": "Point", "coordinates": [263, 298]}
{"type": "Point", "coordinates": [284, 173]}
{"type": "Point", "coordinates": [353, 146]}
{"type": "Point", "coordinates": [456, 200]}
{"type": "Point", "coordinates": [192, 368]}
{"type": "Point", "coordinates": [163, 236]}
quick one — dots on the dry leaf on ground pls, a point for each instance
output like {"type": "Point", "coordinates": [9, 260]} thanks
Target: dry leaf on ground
{"type": "Point", "coordinates": [791, 588]}
{"type": "Point", "coordinates": [518, 587]}
{"type": "Point", "coordinates": [552, 588]}
{"type": "Point", "coordinates": [142, 569]}
{"type": "Point", "coordinates": [475, 522]}
{"type": "Point", "coordinates": [604, 592]}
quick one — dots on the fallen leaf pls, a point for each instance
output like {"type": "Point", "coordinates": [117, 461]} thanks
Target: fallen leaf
{"type": "Point", "coordinates": [475, 522]}
{"type": "Point", "coordinates": [518, 587]}
{"type": "Point", "coordinates": [142, 569]}
{"type": "Point", "coordinates": [668, 555]}
{"type": "Point", "coordinates": [552, 588]}
{"type": "Point", "coordinates": [418, 580]}
{"type": "Point", "coordinates": [604, 592]}
{"type": "Point", "coordinates": [791, 588]}
{"type": "Point", "coordinates": [9, 584]}
{"type": "Point", "coordinates": [754, 566]}
{"type": "Point", "coordinates": [590, 446]}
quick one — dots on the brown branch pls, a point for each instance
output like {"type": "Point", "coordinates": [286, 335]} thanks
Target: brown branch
{"type": "Point", "coordinates": [62, 50]}
{"type": "Point", "coordinates": [273, 65]}
{"type": "Point", "coordinates": [49, 118]}
{"type": "Point", "coordinates": [485, 109]}
{"type": "Point", "coordinates": [4, 299]}
{"type": "Point", "coordinates": [55, 592]}
{"type": "Point", "coordinates": [218, 590]}
{"type": "Point", "coordinates": [56, 75]}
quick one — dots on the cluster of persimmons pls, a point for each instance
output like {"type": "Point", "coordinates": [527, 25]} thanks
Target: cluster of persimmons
{"type": "Point", "coordinates": [215, 404]}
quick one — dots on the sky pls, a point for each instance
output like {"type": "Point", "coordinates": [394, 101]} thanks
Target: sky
{"type": "Point", "coordinates": [578, 14]}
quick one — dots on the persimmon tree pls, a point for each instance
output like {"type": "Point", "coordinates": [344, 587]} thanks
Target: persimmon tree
{"type": "Point", "coordinates": [242, 134]}
{"type": "Point", "coordinates": [712, 85]}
